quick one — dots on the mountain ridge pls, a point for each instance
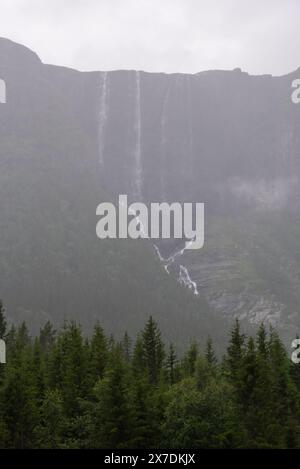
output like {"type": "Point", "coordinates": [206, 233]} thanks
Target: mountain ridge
{"type": "Point", "coordinates": [225, 138]}
{"type": "Point", "coordinates": [13, 43]}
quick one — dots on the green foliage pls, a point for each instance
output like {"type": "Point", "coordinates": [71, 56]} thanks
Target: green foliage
{"type": "Point", "coordinates": [113, 411]}
{"type": "Point", "coordinates": [60, 390]}
{"type": "Point", "coordinates": [152, 350]}
{"type": "Point", "coordinates": [2, 321]}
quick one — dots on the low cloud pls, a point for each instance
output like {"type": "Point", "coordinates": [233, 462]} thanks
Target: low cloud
{"type": "Point", "coordinates": [158, 35]}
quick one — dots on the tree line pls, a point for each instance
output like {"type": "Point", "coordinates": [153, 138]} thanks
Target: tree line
{"type": "Point", "coordinates": [63, 390]}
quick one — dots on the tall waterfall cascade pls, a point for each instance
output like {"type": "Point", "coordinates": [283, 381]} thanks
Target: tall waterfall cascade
{"type": "Point", "coordinates": [137, 172]}
{"type": "Point", "coordinates": [138, 136]}
{"type": "Point", "coordinates": [184, 276]}
{"type": "Point", "coordinates": [104, 94]}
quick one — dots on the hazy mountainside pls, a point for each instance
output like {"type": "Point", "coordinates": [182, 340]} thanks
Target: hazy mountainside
{"type": "Point", "coordinates": [230, 140]}
{"type": "Point", "coordinates": [70, 140]}
{"type": "Point", "coordinates": [51, 262]}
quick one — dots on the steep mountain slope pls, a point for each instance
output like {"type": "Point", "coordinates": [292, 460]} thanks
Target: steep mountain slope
{"type": "Point", "coordinates": [52, 265]}
{"type": "Point", "coordinates": [70, 140]}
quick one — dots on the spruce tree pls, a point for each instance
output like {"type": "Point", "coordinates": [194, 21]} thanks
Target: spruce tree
{"type": "Point", "coordinates": [153, 350]}
{"type": "Point", "coordinates": [127, 345]}
{"type": "Point", "coordinates": [2, 321]}
{"type": "Point", "coordinates": [235, 355]}
{"type": "Point", "coordinates": [190, 359]}
{"type": "Point", "coordinates": [210, 354]}
{"type": "Point", "coordinates": [113, 411]}
{"type": "Point", "coordinates": [99, 353]}
{"type": "Point", "coordinates": [171, 365]}
{"type": "Point", "coordinates": [47, 337]}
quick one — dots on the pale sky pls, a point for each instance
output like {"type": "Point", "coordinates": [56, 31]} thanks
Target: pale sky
{"type": "Point", "coordinates": [260, 36]}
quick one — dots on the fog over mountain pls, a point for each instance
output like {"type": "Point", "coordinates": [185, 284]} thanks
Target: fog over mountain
{"type": "Point", "coordinates": [71, 139]}
{"type": "Point", "coordinates": [158, 36]}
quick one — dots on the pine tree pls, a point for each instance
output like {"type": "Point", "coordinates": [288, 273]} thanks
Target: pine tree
{"type": "Point", "coordinates": [171, 365]}
{"type": "Point", "coordinates": [20, 412]}
{"type": "Point", "coordinates": [66, 391]}
{"type": "Point", "coordinates": [248, 373]}
{"type": "Point", "coordinates": [235, 355]}
{"type": "Point", "coordinates": [190, 359]}
{"type": "Point", "coordinates": [138, 363]}
{"type": "Point", "coordinates": [73, 363]}
{"type": "Point", "coordinates": [2, 321]}
{"type": "Point", "coordinates": [210, 354]}
{"type": "Point", "coordinates": [99, 353]}
{"type": "Point", "coordinates": [153, 350]}
{"type": "Point", "coordinates": [47, 337]}
{"type": "Point", "coordinates": [284, 396]}
{"type": "Point", "coordinates": [52, 422]}
{"type": "Point", "coordinates": [127, 345]}
{"type": "Point", "coordinates": [262, 342]}
{"type": "Point", "coordinates": [23, 340]}
{"type": "Point", "coordinates": [113, 412]}
{"type": "Point", "coordinates": [38, 370]}
{"type": "Point", "coordinates": [203, 372]}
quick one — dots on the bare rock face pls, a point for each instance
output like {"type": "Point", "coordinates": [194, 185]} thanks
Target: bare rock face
{"type": "Point", "coordinates": [224, 138]}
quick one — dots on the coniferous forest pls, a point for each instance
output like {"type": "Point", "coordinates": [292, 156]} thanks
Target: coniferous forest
{"type": "Point", "coordinates": [63, 390]}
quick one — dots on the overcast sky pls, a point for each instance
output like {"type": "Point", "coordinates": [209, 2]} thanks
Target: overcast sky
{"type": "Point", "coordinates": [260, 36]}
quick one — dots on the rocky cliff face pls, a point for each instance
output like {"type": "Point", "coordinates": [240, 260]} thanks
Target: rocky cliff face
{"type": "Point", "coordinates": [230, 140]}
{"type": "Point", "coordinates": [52, 265]}
{"type": "Point", "coordinates": [227, 139]}
{"type": "Point", "coordinates": [218, 136]}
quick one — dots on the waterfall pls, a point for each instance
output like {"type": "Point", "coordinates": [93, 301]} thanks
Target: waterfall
{"type": "Point", "coordinates": [163, 141]}
{"type": "Point", "coordinates": [185, 279]}
{"type": "Point", "coordinates": [138, 136]}
{"type": "Point", "coordinates": [190, 128]}
{"type": "Point", "coordinates": [104, 94]}
{"type": "Point", "coordinates": [184, 276]}
{"type": "Point", "coordinates": [2, 92]}
{"type": "Point", "coordinates": [161, 258]}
